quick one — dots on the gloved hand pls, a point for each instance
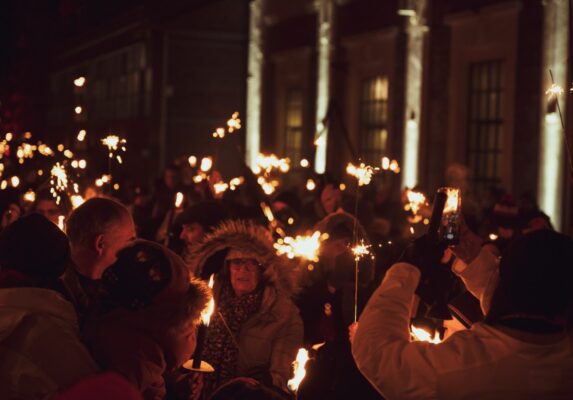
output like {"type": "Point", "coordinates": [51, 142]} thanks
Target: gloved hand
{"type": "Point", "coordinates": [424, 253]}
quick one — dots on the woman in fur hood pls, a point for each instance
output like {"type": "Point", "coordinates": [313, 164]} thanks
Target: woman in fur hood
{"type": "Point", "coordinates": [256, 329]}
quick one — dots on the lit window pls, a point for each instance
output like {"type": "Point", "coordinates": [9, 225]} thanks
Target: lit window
{"type": "Point", "coordinates": [293, 126]}
{"type": "Point", "coordinates": [374, 119]}
{"type": "Point", "coordinates": [485, 123]}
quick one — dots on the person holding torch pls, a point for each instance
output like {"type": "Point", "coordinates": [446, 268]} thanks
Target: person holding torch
{"type": "Point", "coordinates": [256, 329]}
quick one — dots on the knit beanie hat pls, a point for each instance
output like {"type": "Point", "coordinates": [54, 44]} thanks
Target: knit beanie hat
{"type": "Point", "coordinates": [34, 247]}
{"type": "Point", "coordinates": [146, 273]}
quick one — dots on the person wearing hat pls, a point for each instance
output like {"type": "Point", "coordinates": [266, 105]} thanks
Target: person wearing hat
{"type": "Point", "coordinates": [148, 329]}
{"type": "Point", "coordinates": [521, 351]}
{"type": "Point", "coordinates": [196, 221]}
{"type": "Point", "coordinates": [256, 329]}
{"type": "Point", "coordinates": [40, 348]}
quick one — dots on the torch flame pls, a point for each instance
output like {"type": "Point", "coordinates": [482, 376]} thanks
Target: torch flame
{"type": "Point", "coordinates": [421, 335]}
{"type": "Point", "coordinates": [298, 369]}
{"type": "Point", "coordinates": [61, 219]}
{"type": "Point", "coordinates": [416, 200]}
{"type": "Point", "coordinates": [208, 311]}
{"type": "Point", "coordinates": [178, 199]}
{"type": "Point", "coordinates": [453, 201]}
{"type": "Point", "coordinates": [77, 200]}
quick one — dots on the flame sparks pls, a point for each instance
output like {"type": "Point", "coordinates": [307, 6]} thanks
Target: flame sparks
{"type": "Point", "coordinates": [301, 246]}
{"type": "Point", "coordinates": [269, 187]}
{"type": "Point", "coordinates": [208, 311]}
{"type": "Point", "coordinates": [271, 162]}
{"type": "Point", "coordinates": [304, 163]}
{"type": "Point", "coordinates": [415, 201]}
{"type": "Point", "coordinates": [453, 201]}
{"type": "Point", "coordinates": [58, 181]}
{"type": "Point", "coordinates": [234, 123]}
{"type": "Point", "coordinates": [554, 91]}
{"type": "Point", "coordinates": [219, 133]}
{"type": "Point", "coordinates": [361, 250]}
{"type": "Point", "coordinates": [114, 144]}
{"type": "Point", "coordinates": [298, 369]}
{"type": "Point", "coordinates": [421, 335]}
{"type": "Point", "coordinates": [192, 161]}
{"type": "Point", "coordinates": [220, 187]}
{"type": "Point", "coordinates": [76, 200]}
{"type": "Point", "coordinates": [493, 237]}
{"type": "Point", "coordinates": [361, 172]}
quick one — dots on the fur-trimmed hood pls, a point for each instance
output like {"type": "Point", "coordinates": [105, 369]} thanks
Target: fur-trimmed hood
{"type": "Point", "coordinates": [207, 256]}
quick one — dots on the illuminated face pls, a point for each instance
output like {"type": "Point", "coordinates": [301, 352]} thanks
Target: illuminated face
{"type": "Point", "coordinates": [245, 275]}
{"type": "Point", "coordinates": [191, 233]}
{"type": "Point", "coordinates": [330, 198]}
{"type": "Point", "coordinates": [120, 236]}
{"type": "Point", "coordinates": [184, 342]}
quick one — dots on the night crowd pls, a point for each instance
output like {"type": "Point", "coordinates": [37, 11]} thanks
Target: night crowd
{"type": "Point", "coordinates": [108, 306]}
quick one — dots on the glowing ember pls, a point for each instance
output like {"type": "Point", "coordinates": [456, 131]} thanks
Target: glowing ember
{"type": "Point", "coordinates": [208, 311]}
{"type": "Point", "coordinates": [220, 187]}
{"type": "Point", "coordinates": [453, 201]}
{"type": "Point", "coordinates": [421, 335]}
{"type": "Point", "coordinates": [79, 82]}
{"type": "Point", "coordinates": [206, 164]}
{"type": "Point", "coordinates": [114, 143]}
{"type": "Point", "coordinates": [103, 180]}
{"type": "Point", "coordinates": [271, 162]}
{"type": "Point", "coordinates": [298, 369]}
{"type": "Point", "coordinates": [192, 161]}
{"type": "Point", "coordinates": [15, 181]}
{"type": "Point", "coordinates": [59, 179]}
{"type": "Point", "coordinates": [9, 136]}
{"type": "Point", "coordinates": [310, 185]}
{"type": "Point", "coordinates": [304, 163]}
{"type": "Point", "coordinates": [234, 123]}
{"type": "Point", "coordinates": [554, 91]}
{"type": "Point", "coordinates": [219, 133]}
{"type": "Point", "coordinates": [45, 150]}
{"type": "Point", "coordinates": [178, 199]}
{"type": "Point", "coordinates": [81, 135]}
{"type": "Point", "coordinates": [361, 250]}
{"type": "Point", "coordinates": [415, 200]}
{"type": "Point", "coordinates": [78, 110]}
{"type": "Point", "coordinates": [25, 150]}
{"type": "Point", "coordinates": [342, 187]}
{"type": "Point", "coordinates": [235, 182]}
{"type": "Point", "coordinates": [61, 220]}
{"type": "Point", "coordinates": [301, 246]}
{"type": "Point", "coordinates": [268, 212]}
{"type": "Point", "coordinates": [269, 187]}
{"type": "Point", "coordinates": [76, 200]}
{"type": "Point", "coordinates": [493, 236]}
{"type": "Point", "coordinates": [29, 196]}
{"type": "Point", "coordinates": [362, 172]}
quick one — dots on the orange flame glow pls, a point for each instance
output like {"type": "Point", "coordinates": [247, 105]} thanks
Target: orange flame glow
{"type": "Point", "coordinates": [299, 369]}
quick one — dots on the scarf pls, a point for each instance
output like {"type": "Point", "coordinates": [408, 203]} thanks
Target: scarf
{"type": "Point", "coordinates": [221, 349]}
